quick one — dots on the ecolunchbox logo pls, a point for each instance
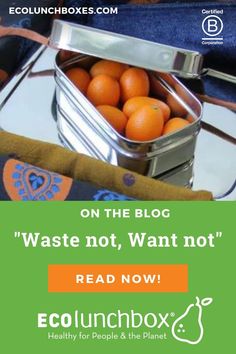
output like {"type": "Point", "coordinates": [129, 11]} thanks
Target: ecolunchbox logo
{"type": "Point", "coordinates": [186, 327]}
{"type": "Point", "coordinates": [212, 27]}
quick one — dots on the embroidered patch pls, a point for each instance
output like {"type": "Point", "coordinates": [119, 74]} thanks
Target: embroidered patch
{"type": "Point", "coordinates": [129, 179]}
{"type": "Point", "coordinates": [26, 182]}
{"type": "Point", "coordinates": [106, 195]}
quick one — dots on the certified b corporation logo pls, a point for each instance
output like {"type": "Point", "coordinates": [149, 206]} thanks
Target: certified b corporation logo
{"type": "Point", "coordinates": [212, 26]}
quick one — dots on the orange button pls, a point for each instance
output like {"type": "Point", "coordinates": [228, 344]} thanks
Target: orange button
{"type": "Point", "coordinates": [118, 278]}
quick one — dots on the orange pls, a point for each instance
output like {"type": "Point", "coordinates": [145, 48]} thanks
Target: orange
{"type": "Point", "coordinates": [65, 55]}
{"type": "Point", "coordinates": [134, 82]}
{"type": "Point", "coordinates": [80, 78]}
{"type": "Point", "coordinates": [108, 67]}
{"type": "Point", "coordinates": [145, 124]}
{"type": "Point", "coordinates": [103, 89]}
{"type": "Point", "coordinates": [157, 88]}
{"type": "Point", "coordinates": [135, 103]}
{"type": "Point", "coordinates": [176, 108]}
{"type": "Point", "coordinates": [174, 124]}
{"type": "Point", "coordinates": [3, 75]}
{"type": "Point", "coordinates": [114, 116]}
{"type": "Point", "coordinates": [190, 118]}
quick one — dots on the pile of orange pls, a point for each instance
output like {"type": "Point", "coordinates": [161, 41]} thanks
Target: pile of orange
{"type": "Point", "coordinates": [121, 95]}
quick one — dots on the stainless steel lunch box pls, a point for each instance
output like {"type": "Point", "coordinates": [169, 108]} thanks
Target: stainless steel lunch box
{"type": "Point", "coordinates": [82, 128]}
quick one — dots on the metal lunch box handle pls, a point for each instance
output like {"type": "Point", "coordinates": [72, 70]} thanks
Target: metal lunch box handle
{"type": "Point", "coordinates": [219, 75]}
{"type": "Point", "coordinates": [227, 193]}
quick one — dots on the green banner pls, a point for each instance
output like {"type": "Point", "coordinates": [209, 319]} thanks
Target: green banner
{"type": "Point", "coordinates": [179, 297]}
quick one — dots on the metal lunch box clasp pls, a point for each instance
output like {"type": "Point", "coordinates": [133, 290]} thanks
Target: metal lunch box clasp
{"type": "Point", "coordinates": [219, 75]}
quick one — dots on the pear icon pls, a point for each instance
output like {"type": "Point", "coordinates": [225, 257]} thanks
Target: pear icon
{"type": "Point", "coordinates": [180, 328]}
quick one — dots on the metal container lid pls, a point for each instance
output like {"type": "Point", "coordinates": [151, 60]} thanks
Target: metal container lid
{"type": "Point", "coordinates": [125, 49]}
